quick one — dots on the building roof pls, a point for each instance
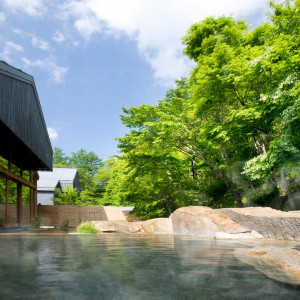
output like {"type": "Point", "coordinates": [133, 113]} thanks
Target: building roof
{"type": "Point", "coordinates": [48, 184]}
{"type": "Point", "coordinates": [22, 125]}
{"type": "Point", "coordinates": [49, 180]}
{"type": "Point", "coordinates": [59, 173]}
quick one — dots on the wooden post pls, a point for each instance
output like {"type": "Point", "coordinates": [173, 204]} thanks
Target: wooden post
{"type": "Point", "coordinates": [35, 175]}
{"type": "Point", "coordinates": [6, 203]}
{"type": "Point", "coordinates": [7, 182]}
{"type": "Point", "coordinates": [30, 197]}
{"type": "Point", "coordinates": [20, 196]}
{"type": "Point", "coordinates": [19, 203]}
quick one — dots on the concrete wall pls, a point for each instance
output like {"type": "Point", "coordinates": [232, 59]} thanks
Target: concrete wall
{"type": "Point", "coordinates": [53, 215]}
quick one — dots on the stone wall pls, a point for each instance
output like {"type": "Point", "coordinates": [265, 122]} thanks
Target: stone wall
{"type": "Point", "coordinates": [268, 222]}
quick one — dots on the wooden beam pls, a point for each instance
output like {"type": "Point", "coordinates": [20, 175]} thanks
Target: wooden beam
{"type": "Point", "coordinates": [16, 178]}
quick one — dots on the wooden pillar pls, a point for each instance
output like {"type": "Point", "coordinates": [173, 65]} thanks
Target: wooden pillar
{"type": "Point", "coordinates": [20, 197]}
{"type": "Point", "coordinates": [35, 177]}
{"type": "Point", "coordinates": [7, 182]}
{"type": "Point", "coordinates": [19, 203]}
{"type": "Point", "coordinates": [30, 197]}
{"type": "Point", "coordinates": [6, 203]}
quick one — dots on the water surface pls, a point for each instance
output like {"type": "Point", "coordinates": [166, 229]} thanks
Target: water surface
{"type": "Point", "coordinates": [116, 266]}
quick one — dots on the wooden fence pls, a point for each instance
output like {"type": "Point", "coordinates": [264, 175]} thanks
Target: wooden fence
{"type": "Point", "coordinates": [53, 215]}
{"type": "Point", "coordinates": [12, 214]}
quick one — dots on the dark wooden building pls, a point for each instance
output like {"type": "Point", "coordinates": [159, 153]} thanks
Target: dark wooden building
{"type": "Point", "coordinates": [24, 138]}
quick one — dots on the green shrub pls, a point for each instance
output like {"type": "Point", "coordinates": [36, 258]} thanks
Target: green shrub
{"type": "Point", "coordinates": [36, 222]}
{"type": "Point", "coordinates": [86, 227]}
{"type": "Point", "coordinates": [63, 224]}
{"type": "Point", "coordinates": [68, 196]}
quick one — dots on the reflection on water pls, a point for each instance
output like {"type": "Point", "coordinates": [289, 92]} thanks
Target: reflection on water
{"type": "Point", "coordinates": [115, 266]}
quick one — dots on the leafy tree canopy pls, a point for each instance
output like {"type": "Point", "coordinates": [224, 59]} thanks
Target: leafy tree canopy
{"type": "Point", "coordinates": [226, 136]}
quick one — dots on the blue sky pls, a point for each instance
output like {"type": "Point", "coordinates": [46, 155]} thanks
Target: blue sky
{"type": "Point", "coordinates": [89, 58]}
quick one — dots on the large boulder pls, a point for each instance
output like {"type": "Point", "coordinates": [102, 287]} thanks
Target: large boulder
{"type": "Point", "coordinates": [156, 226]}
{"type": "Point", "coordinates": [271, 223]}
{"type": "Point", "coordinates": [104, 226]}
{"type": "Point", "coordinates": [121, 226]}
{"type": "Point", "coordinates": [207, 222]}
{"type": "Point", "coordinates": [280, 264]}
{"type": "Point", "coordinates": [118, 226]}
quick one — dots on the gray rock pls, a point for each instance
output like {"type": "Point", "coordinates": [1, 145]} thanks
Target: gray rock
{"type": "Point", "coordinates": [280, 264]}
{"type": "Point", "coordinates": [268, 222]}
{"type": "Point", "coordinates": [157, 226]}
{"type": "Point", "coordinates": [237, 236]}
{"type": "Point", "coordinates": [104, 226]}
{"type": "Point", "coordinates": [204, 221]}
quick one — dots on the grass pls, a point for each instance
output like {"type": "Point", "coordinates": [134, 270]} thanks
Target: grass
{"type": "Point", "coordinates": [86, 227]}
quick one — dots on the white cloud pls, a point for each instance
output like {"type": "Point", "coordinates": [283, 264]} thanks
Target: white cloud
{"type": "Point", "coordinates": [17, 31]}
{"type": "Point", "coordinates": [8, 48]}
{"type": "Point", "coordinates": [57, 73]}
{"type": "Point", "coordinates": [52, 133]}
{"type": "Point", "coordinates": [58, 37]}
{"type": "Point", "coordinates": [155, 25]}
{"type": "Point", "coordinates": [30, 7]}
{"type": "Point", "coordinates": [35, 41]}
{"type": "Point", "coordinates": [39, 43]}
{"type": "Point", "coordinates": [86, 22]}
{"type": "Point", "coordinates": [2, 17]}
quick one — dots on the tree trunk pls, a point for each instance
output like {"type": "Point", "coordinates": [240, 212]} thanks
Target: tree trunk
{"type": "Point", "coordinates": [214, 166]}
{"type": "Point", "coordinates": [193, 166]}
{"type": "Point", "coordinates": [237, 195]}
{"type": "Point", "coordinates": [238, 199]}
{"type": "Point", "coordinates": [169, 205]}
{"type": "Point", "coordinates": [287, 190]}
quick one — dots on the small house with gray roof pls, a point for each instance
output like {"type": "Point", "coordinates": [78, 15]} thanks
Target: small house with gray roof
{"type": "Point", "coordinates": [60, 178]}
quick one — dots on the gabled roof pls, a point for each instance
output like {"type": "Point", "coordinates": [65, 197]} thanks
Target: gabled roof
{"type": "Point", "coordinates": [22, 121]}
{"type": "Point", "coordinates": [50, 180]}
{"type": "Point", "coordinates": [48, 184]}
{"type": "Point", "coordinates": [59, 173]}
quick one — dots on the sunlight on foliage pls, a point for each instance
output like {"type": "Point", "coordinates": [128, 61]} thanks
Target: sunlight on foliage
{"type": "Point", "coordinates": [86, 227]}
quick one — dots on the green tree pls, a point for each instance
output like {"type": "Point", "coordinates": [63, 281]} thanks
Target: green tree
{"type": "Point", "coordinates": [104, 175]}
{"type": "Point", "coordinates": [13, 186]}
{"type": "Point", "coordinates": [228, 130]}
{"type": "Point", "coordinates": [117, 192]}
{"type": "Point", "coordinates": [67, 196]}
{"type": "Point", "coordinates": [59, 157]}
{"type": "Point", "coordinates": [87, 164]}
{"type": "Point", "coordinates": [88, 198]}
{"type": "Point", "coordinates": [279, 164]}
